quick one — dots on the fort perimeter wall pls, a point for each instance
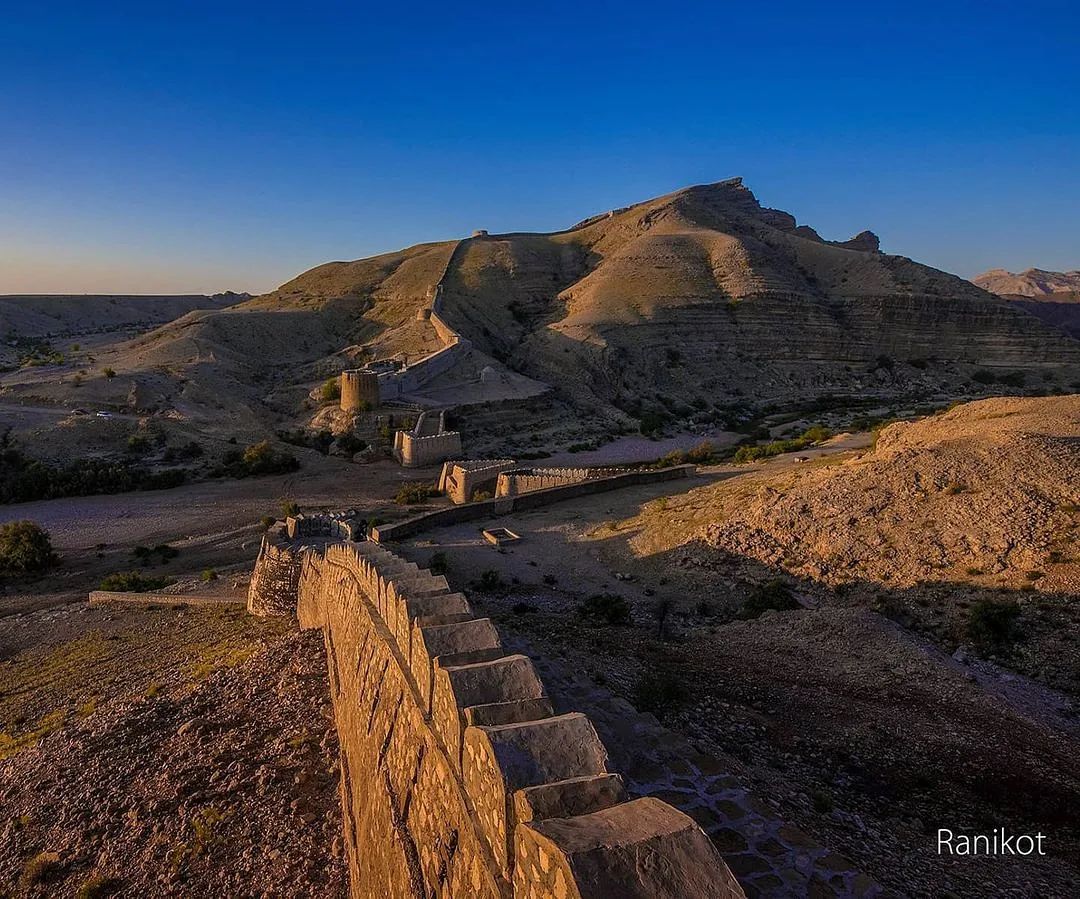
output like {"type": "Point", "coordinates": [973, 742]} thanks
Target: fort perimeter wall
{"type": "Point", "coordinates": [457, 778]}
{"type": "Point", "coordinates": [504, 505]}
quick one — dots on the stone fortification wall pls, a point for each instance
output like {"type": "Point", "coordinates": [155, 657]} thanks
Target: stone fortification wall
{"type": "Point", "coordinates": [335, 526]}
{"type": "Point", "coordinates": [526, 480]}
{"type": "Point", "coordinates": [461, 481]}
{"type": "Point", "coordinates": [457, 777]}
{"type": "Point", "coordinates": [428, 443]}
{"type": "Point", "coordinates": [275, 580]}
{"type": "Point", "coordinates": [504, 505]}
{"type": "Point", "coordinates": [359, 390]}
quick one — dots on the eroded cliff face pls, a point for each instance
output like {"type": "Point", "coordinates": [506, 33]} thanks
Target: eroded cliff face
{"type": "Point", "coordinates": [457, 778]}
{"type": "Point", "coordinates": [704, 294]}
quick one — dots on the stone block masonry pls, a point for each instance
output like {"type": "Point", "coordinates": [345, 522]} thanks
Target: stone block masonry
{"type": "Point", "coordinates": [456, 777]}
{"type": "Point", "coordinates": [522, 502]}
{"type": "Point", "coordinates": [275, 580]}
{"type": "Point", "coordinates": [428, 443]}
{"type": "Point", "coordinates": [525, 480]}
{"type": "Point", "coordinates": [461, 481]}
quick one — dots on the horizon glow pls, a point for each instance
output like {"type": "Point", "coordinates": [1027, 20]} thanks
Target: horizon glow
{"type": "Point", "coordinates": [231, 147]}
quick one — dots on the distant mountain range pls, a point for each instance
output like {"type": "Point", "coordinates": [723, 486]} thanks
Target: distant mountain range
{"type": "Point", "coordinates": [1053, 297]}
{"type": "Point", "coordinates": [1034, 282]}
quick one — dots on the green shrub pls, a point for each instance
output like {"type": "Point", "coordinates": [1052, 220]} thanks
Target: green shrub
{"type": "Point", "coordinates": [992, 624]}
{"type": "Point", "coordinates": [98, 887]}
{"type": "Point", "coordinates": [489, 581]}
{"type": "Point", "coordinates": [25, 548]}
{"type": "Point", "coordinates": [134, 582]}
{"type": "Point", "coordinates": [439, 563]}
{"type": "Point", "coordinates": [775, 595]}
{"type": "Point", "coordinates": [812, 435]}
{"type": "Point", "coordinates": [261, 459]}
{"type": "Point", "coordinates": [608, 608]}
{"type": "Point", "coordinates": [330, 390]}
{"type": "Point", "coordinates": [412, 492]}
{"type": "Point", "coordinates": [290, 508]}
{"type": "Point", "coordinates": [40, 869]}
{"type": "Point", "coordinates": [208, 575]}
{"type": "Point", "coordinates": [1012, 379]}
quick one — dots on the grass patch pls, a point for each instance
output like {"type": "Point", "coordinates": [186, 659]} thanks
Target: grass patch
{"type": "Point", "coordinates": [134, 582]}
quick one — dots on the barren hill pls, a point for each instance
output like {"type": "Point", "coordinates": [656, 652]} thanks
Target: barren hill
{"type": "Point", "coordinates": [690, 307]}
{"type": "Point", "coordinates": [1033, 282]}
{"type": "Point", "coordinates": [989, 490]}
{"type": "Point", "coordinates": [704, 295]}
{"type": "Point", "coordinates": [1053, 297]}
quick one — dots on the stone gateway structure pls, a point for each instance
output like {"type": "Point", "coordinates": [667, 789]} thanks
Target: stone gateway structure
{"type": "Point", "coordinates": [428, 443]}
{"type": "Point", "coordinates": [457, 778]}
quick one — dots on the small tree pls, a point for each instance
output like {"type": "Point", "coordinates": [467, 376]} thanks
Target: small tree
{"type": "Point", "coordinates": [25, 548]}
{"type": "Point", "coordinates": [109, 373]}
{"type": "Point", "coordinates": [330, 390]}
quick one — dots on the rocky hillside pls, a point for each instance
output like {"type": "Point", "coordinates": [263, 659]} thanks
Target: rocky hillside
{"type": "Point", "coordinates": [1034, 282]}
{"type": "Point", "coordinates": [683, 308]}
{"type": "Point", "coordinates": [1053, 297]}
{"type": "Point", "coordinates": [704, 296]}
{"type": "Point", "coordinates": [989, 491]}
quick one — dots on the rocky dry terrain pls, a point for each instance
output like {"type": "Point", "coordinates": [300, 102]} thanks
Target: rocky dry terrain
{"type": "Point", "coordinates": [977, 505]}
{"type": "Point", "coordinates": [693, 309]}
{"type": "Point", "coordinates": [165, 752]}
{"type": "Point", "coordinates": [1053, 297]}
{"type": "Point", "coordinates": [1033, 282]}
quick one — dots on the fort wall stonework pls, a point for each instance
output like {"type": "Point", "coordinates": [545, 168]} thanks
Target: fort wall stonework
{"type": "Point", "coordinates": [504, 505]}
{"type": "Point", "coordinates": [275, 580]}
{"type": "Point", "coordinates": [359, 390]}
{"type": "Point", "coordinates": [462, 480]}
{"type": "Point", "coordinates": [457, 777]}
{"type": "Point", "coordinates": [526, 480]}
{"type": "Point", "coordinates": [428, 443]}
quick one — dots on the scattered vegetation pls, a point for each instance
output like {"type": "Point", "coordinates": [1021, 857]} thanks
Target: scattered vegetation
{"type": "Point", "coordinates": [163, 553]}
{"type": "Point", "coordinates": [659, 688]}
{"type": "Point", "coordinates": [607, 608]}
{"type": "Point", "coordinates": [134, 582]}
{"type": "Point", "coordinates": [1008, 379]}
{"type": "Point", "coordinates": [992, 624]}
{"type": "Point", "coordinates": [489, 581]}
{"type": "Point", "coordinates": [290, 508]}
{"type": "Point", "coordinates": [774, 595]}
{"type": "Point", "coordinates": [23, 479]}
{"type": "Point", "coordinates": [412, 492]}
{"type": "Point", "coordinates": [208, 575]}
{"type": "Point", "coordinates": [331, 390]}
{"type": "Point", "coordinates": [25, 548]}
{"type": "Point", "coordinates": [98, 886]}
{"type": "Point", "coordinates": [439, 563]}
{"type": "Point", "coordinates": [255, 460]}
{"type": "Point", "coordinates": [39, 869]}
{"type": "Point", "coordinates": [811, 436]}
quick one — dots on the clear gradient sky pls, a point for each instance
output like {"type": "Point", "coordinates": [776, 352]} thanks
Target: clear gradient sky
{"type": "Point", "coordinates": [198, 147]}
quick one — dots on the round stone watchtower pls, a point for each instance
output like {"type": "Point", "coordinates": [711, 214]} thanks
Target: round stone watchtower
{"type": "Point", "coordinates": [359, 390]}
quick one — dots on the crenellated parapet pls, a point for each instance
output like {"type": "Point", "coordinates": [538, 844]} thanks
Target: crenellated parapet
{"type": "Point", "coordinates": [458, 778]}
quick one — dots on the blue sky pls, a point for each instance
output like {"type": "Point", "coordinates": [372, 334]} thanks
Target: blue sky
{"type": "Point", "coordinates": [199, 147]}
